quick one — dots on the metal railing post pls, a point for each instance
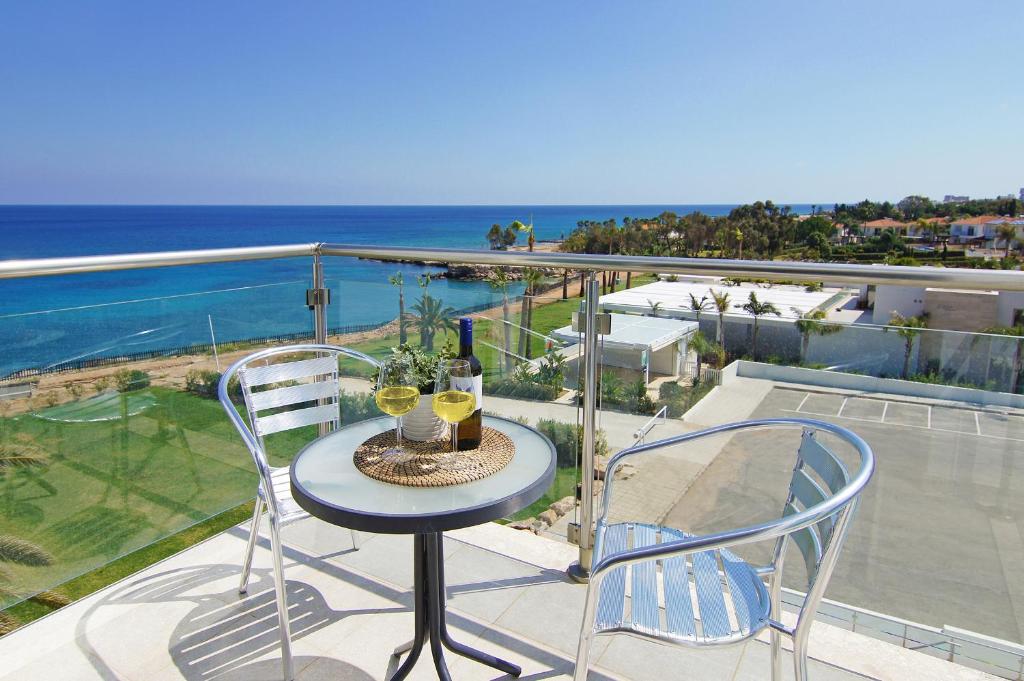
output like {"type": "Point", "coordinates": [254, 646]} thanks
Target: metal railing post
{"type": "Point", "coordinates": [317, 299]}
{"type": "Point", "coordinates": [580, 570]}
{"type": "Point", "coordinates": [318, 302]}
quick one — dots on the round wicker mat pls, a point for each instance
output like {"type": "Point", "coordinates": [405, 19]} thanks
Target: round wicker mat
{"type": "Point", "coordinates": [433, 464]}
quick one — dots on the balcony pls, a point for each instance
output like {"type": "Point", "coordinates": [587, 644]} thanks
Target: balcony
{"type": "Point", "coordinates": [183, 619]}
{"type": "Point", "coordinates": [130, 468]}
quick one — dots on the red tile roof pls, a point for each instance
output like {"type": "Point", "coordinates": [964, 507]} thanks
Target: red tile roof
{"type": "Point", "coordinates": [886, 223]}
{"type": "Point", "coordinates": [980, 220]}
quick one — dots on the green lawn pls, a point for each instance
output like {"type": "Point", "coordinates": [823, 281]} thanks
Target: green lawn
{"type": "Point", "coordinates": [564, 486]}
{"type": "Point", "coordinates": [110, 487]}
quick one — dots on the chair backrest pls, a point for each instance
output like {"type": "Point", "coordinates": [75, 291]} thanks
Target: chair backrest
{"type": "Point", "coordinates": [818, 478]}
{"type": "Point", "coordinates": [284, 388]}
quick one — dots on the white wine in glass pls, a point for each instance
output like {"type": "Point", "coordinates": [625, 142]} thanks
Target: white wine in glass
{"type": "Point", "coordinates": [397, 394]}
{"type": "Point", "coordinates": [450, 403]}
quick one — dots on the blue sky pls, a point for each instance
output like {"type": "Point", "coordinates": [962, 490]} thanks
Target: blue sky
{"type": "Point", "coordinates": [526, 102]}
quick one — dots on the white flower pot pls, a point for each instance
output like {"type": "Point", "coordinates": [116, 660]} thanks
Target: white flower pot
{"type": "Point", "coordinates": [422, 424]}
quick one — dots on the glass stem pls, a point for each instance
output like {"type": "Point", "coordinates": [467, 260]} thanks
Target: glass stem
{"type": "Point", "coordinates": [398, 431]}
{"type": "Point", "coordinates": [455, 436]}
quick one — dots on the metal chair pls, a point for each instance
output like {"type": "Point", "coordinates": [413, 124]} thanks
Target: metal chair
{"type": "Point", "coordinates": [709, 596]}
{"type": "Point", "coordinates": [305, 378]}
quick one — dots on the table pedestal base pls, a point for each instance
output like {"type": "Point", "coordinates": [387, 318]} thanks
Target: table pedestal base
{"type": "Point", "coordinates": [429, 605]}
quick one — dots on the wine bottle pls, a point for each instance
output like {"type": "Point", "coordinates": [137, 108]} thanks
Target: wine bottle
{"type": "Point", "coordinates": [470, 429]}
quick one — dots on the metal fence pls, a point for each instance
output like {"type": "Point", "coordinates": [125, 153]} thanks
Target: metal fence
{"type": "Point", "coordinates": [708, 374]}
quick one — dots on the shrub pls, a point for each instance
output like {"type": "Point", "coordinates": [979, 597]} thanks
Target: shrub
{"type": "Point", "coordinates": [357, 407]}
{"type": "Point", "coordinates": [669, 391]}
{"type": "Point", "coordinates": [101, 384]}
{"type": "Point", "coordinates": [637, 401]}
{"type": "Point", "coordinates": [75, 390]}
{"type": "Point", "coordinates": [128, 380]}
{"type": "Point", "coordinates": [568, 440]}
{"type": "Point", "coordinates": [680, 398]}
{"type": "Point", "coordinates": [551, 371]}
{"type": "Point", "coordinates": [202, 382]}
{"type": "Point", "coordinates": [529, 390]}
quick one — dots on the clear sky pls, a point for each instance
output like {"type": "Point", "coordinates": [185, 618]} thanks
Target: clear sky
{"type": "Point", "coordinates": [514, 102]}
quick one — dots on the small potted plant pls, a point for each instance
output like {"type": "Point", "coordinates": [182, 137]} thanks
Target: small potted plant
{"type": "Point", "coordinates": [422, 424]}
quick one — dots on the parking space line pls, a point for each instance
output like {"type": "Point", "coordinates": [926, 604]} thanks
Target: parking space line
{"type": "Point", "coordinates": [929, 416]}
{"type": "Point", "coordinates": [977, 423]}
{"type": "Point", "coordinates": [907, 425]}
{"type": "Point", "coordinates": [842, 406]}
{"type": "Point", "coordinates": [801, 405]}
{"type": "Point", "coordinates": [885, 408]}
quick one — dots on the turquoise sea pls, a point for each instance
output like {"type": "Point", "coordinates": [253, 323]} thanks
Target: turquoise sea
{"type": "Point", "coordinates": [49, 321]}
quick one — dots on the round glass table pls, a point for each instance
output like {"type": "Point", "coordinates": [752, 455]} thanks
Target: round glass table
{"type": "Point", "coordinates": [326, 483]}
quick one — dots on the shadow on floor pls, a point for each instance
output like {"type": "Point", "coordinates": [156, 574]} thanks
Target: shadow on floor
{"type": "Point", "coordinates": [224, 634]}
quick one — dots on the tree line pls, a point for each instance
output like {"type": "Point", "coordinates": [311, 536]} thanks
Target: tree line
{"type": "Point", "coordinates": [763, 229]}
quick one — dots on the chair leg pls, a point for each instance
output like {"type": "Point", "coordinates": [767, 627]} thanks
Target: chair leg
{"type": "Point", "coordinates": [282, 600]}
{"type": "Point", "coordinates": [586, 635]}
{"type": "Point", "coordinates": [776, 645]}
{"type": "Point", "coordinates": [355, 540]}
{"type": "Point", "coordinates": [254, 532]}
{"type": "Point", "coordinates": [800, 660]}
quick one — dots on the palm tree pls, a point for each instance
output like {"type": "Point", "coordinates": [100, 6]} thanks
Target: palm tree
{"type": "Point", "coordinates": [757, 309]}
{"type": "Point", "coordinates": [738, 235]}
{"type": "Point", "coordinates": [698, 306]}
{"type": "Point", "coordinates": [430, 316]}
{"type": "Point", "coordinates": [1006, 233]}
{"type": "Point", "coordinates": [533, 279]}
{"type": "Point", "coordinates": [397, 280]}
{"type": "Point", "coordinates": [700, 344]}
{"type": "Point", "coordinates": [565, 284]}
{"type": "Point", "coordinates": [527, 229]}
{"type": "Point", "coordinates": [721, 301]}
{"type": "Point", "coordinates": [499, 279]}
{"type": "Point", "coordinates": [908, 328]}
{"type": "Point", "coordinates": [655, 306]}
{"type": "Point", "coordinates": [811, 323]}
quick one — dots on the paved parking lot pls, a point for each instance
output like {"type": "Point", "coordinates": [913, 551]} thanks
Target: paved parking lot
{"type": "Point", "coordinates": [876, 409]}
{"type": "Point", "coordinates": [938, 538]}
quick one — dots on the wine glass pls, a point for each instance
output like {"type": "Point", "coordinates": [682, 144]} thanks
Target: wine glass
{"type": "Point", "coordinates": [397, 394]}
{"type": "Point", "coordinates": [453, 394]}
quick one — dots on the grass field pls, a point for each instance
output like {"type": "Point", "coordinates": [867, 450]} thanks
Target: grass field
{"type": "Point", "coordinates": [109, 487]}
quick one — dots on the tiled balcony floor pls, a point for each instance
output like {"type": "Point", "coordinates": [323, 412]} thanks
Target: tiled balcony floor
{"type": "Point", "coordinates": [183, 619]}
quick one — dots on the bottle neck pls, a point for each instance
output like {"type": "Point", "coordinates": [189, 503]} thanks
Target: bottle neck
{"type": "Point", "coordinates": [465, 350]}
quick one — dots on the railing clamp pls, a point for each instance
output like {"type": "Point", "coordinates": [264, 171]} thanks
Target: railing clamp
{"type": "Point", "coordinates": [317, 296]}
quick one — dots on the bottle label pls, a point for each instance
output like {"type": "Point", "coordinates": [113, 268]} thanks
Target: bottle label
{"type": "Point", "coordinates": [473, 385]}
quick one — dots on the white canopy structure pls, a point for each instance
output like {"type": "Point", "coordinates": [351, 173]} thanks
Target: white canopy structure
{"type": "Point", "coordinates": [672, 298]}
{"type": "Point", "coordinates": [648, 344]}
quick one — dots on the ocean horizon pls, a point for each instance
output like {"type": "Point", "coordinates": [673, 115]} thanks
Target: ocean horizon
{"type": "Point", "coordinates": [48, 321]}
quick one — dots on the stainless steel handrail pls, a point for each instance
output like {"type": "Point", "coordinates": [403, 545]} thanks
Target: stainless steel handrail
{"type": "Point", "coordinates": [15, 269]}
{"type": "Point", "coordinates": [948, 277]}
{"type": "Point", "coordinates": [760, 269]}
{"type": "Point", "coordinates": [642, 431]}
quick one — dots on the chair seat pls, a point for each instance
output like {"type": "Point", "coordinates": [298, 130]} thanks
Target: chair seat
{"type": "Point", "coordinates": [707, 598]}
{"type": "Point", "coordinates": [282, 490]}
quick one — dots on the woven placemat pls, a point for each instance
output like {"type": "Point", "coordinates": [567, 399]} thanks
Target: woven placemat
{"type": "Point", "coordinates": [433, 464]}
